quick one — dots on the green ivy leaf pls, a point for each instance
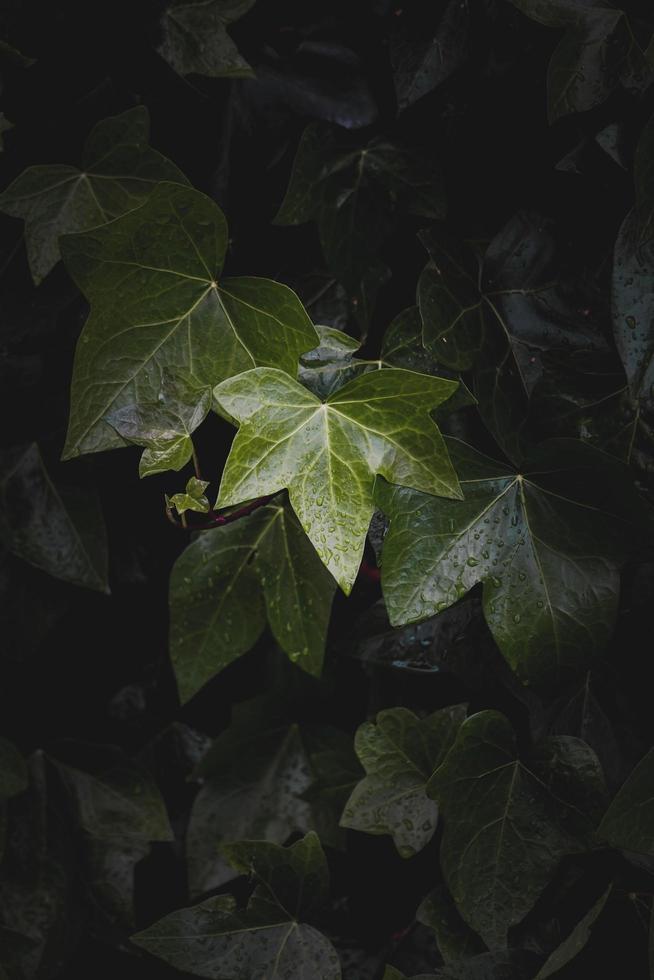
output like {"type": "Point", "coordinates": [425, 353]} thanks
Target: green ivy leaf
{"type": "Point", "coordinates": [253, 777]}
{"type": "Point", "coordinates": [400, 752]}
{"type": "Point", "coordinates": [13, 770]}
{"type": "Point", "coordinates": [456, 940]}
{"type": "Point", "coordinates": [173, 312]}
{"type": "Point", "coordinates": [193, 497]}
{"type": "Point", "coordinates": [267, 938]}
{"type": "Point", "coordinates": [119, 171]}
{"type": "Point", "coordinates": [326, 453]}
{"type": "Point", "coordinates": [117, 799]}
{"type": "Point", "coordinates": [507, 823]}
{"type": "Point", "coordinates": [196, 42]}
{"type": "Point", "coordinates": [545, 544]}
{"type": "Point", "coordinates": [332, 364]}
{"type": "Point", "coordinates": [163, 424]}
{"type": "Point", "coordinates": [353, 190]}
{"type": "Point", "coordinates": [232, 579]}
{"type": "Point", "coordinates": [575, 941]}
{"type": "Point", "coordinates": [58, 530]}
{"type": "Point", "coordinates": [629, 821]}
{"type": "Point", "coordinates": [426, 50]}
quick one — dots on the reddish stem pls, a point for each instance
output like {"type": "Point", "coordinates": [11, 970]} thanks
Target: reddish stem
{"type": "Point", "coordinates": [217, 520]}
{"type": "Point", "coordinates": [369, 571]}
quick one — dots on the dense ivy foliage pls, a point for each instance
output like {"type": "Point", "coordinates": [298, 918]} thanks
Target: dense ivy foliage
{"type": "Point", "coordinates": [339, 668]}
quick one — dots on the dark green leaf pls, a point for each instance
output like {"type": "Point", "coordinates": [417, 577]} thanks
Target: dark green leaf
{"type": "Point", "coordinates": [575, 942]}
{"type": "Point", "coordinates": [506, 828]}
{"type": "Point", "coordinates": [427, 50]}
{"type": "Point", "coordinates": [119, 171]}
{"type": "Point", "coordinates": [254, 778]}
{"type": "Point", "coordinates": [231, 579]}
{"type": "Point", "coordinates": [196, 41]}
{"type": "Point", "coordinates": [332, 364]}
{"type": "Point", "coordinates": [337, 771]}
{"type": "Point", "coordinates": [59, 531]}
{"type": "Point", "coordinates": [164, 260]}
{"type": "Point", "coordinates": [13, 770]}
{"type": "Point", "coordinates": [456, 940]}
{"type": "Point", "coordinates": [544, 549]}
{"type": "Point", "coordinates": [326, 453]}
{"type": "Point", "coordinates": [629, 821]}
{"type": "Point", "coordinates": [267, 938]}
{"type": "Point", "coordinates": [583, 70]}
{"type": "Point", "coordinates": [400, 752]}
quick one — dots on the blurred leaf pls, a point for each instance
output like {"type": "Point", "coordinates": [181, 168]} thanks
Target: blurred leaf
{"type": "Point", "coordinates": [400, 752]}
{"type": "Point", "coordinates": [60, 531]}
{"type": "Point", "coordinates": [456, 940]}
{"type": "Point", "coordinates": [337, 771]}
{"type": "Point", "coordinates": [13, 770]}
{"type": "Point", "coordinates": [575, 942]}
{"type": "Point", "coordinates": [119, 171]}
{"type": "Point", "coordinates": [429, 45]}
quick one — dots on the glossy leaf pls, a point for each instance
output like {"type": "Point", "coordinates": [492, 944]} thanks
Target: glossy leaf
{"type": "Point", "coordinates": [326, 453]}
{"type": "Point", "coordinates": [400, 752]}
{"type": "Point", "coordinates": [196, 40]}
{"type": "Point", "coordinates": [254, 778]}
{"type": "Point", "coordinates": [165, 260]}
{"type": "Point", "coordinates": [269, 936]}
{"type": "Point", "coordinates": [119, 171]}
{"type": "Point", "coordinates": [332, 364]}
{"type": "Point", "coordinates": [59, 531]}
{"type": "Point", "coordinates": [427, 49]}
{"type": "Point", "coordinates": [545, 548]}
{"type": "Point", "coordinates": [629, 821]}
{"type": "Point", "coordinates": [164, 424]}
{"type": "Point", "coordinates": [575, 941]}
{"type": "Point", "coordinates": [505, 826]}
{"type": "Point", "coordinates": [232, 579]}
{"type": "Point", "coordinates": [193, 497]}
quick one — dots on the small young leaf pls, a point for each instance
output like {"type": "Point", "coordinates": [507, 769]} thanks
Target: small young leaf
{"type": "Point", "coordinates": [326, 453]}
{"type": "Point", "coordinates": [400, 753]}
{"type": "Point", "coordinates": [231, 579]}
{"type": "Point", "coordinates": [119, 171]}
{"type": "Point", "coordinates": [193, 497]}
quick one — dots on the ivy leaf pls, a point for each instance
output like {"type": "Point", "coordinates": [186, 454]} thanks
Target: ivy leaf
{"type": "Point", "coordinates": [327, 368]}
{"type": "Point", "coordinates": [400, 752]}
{"type": "Point", "coordinates": [629, 821]}
{"type": "Point", "coordinates": [267, 938]}
{"type": "Point", "coordinates": [116, 799]}
{"type": "Point", "coordinates": [542, 541]}
{"type": "Point", "coordinates": [59, 531]}
{"type": "Point", "coordinates": [173, 311]}
{"type": "Point", "coordinates": [232, 579]}
{"type": "Point", "coordinates": [575, 941]}
{"type": "Point", "coordinates": [500, 319]}
{"type": "Point", "coordinates": [507, 823]}
{"type": "Point", "coordinates": [253, 777]}
{"type": "Point", "coordinates": [456, 940]}
{"type": "Point", "coordinates": [119, 170]}
{"type": "Point", "coordinates": [337, 771]}
{"type": "Point", "coordinates": [193, 497]}
{"type": "Point", "coordinates": [326, 453]}
{"type": "Point", "coordinates": [13, 770]}
{"type": "Point", "coordinates": [196, 41]}
{"type": "Point", "coordinates": [163, 424]}
{"type": "Point", "coordinates": [428, 47]}
{"type": "Point", "coordinates": [353, 190]}
{"type": "Point", "coordinates": [633, 270]}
